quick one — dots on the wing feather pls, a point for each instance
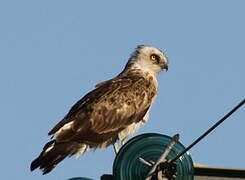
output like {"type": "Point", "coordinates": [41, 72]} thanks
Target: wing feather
{"type": "Point", "coordinates": [110, 108]}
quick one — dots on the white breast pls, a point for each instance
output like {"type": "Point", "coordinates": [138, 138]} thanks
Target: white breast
{"type": "Point", "coordinates": [134, 127]}
{"type": "Point", "coordinates": [130, 130]}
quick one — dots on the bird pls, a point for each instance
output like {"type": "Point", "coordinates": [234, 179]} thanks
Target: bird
{"type": "Point", "coordinates": [112, 111]}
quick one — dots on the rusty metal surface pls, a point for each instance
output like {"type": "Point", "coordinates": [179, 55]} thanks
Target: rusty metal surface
{"type": "Point", "coordinates": [203, 172]}
{"type": "Point", "coordinates": [228, 173]}
{"type": "Point", "coordinates": [215, 178]}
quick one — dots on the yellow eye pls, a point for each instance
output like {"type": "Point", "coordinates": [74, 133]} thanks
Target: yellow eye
{"type": "Point", "coordinates": [154, 57]}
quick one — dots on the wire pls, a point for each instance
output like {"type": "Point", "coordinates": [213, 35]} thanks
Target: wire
{"type": "Point", "coordinates": [209, 130]}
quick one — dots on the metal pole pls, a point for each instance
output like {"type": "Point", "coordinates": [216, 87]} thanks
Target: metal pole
{"type": "Point", "coordinates": [162, 158]}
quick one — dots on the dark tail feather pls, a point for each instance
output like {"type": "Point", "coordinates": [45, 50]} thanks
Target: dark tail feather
{"type": "Point", "coordinates": [49, 158]}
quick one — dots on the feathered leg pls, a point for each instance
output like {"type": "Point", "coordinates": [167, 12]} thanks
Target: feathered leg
{"type": "Point", "coordinates": [123, 141]}
{"type": "Point", "coordinates": [116, 147]}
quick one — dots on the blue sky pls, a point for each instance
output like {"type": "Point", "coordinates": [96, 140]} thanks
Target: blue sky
{"type": "Point", "coordinates": [53, 52]}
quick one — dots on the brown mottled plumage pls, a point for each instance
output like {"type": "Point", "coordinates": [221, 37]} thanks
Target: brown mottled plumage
{"type": "Point", "coordinates": [113, 110]}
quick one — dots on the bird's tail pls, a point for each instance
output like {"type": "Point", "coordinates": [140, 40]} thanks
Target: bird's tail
{"type": "Point", "coordinates": [52, 154]}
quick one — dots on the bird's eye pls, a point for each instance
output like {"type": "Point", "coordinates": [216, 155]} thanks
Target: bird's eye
{"type": "Point", "coordinates": [154, 57]}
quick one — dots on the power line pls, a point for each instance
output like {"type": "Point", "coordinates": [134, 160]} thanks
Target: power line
{"type": "Point", "coordinates": [209, 130]}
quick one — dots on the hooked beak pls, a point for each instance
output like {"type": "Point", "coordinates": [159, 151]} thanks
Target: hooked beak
{"type": "Point", "coordinates": [164, 66]}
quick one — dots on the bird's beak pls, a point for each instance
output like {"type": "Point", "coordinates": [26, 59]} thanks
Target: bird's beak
{"type": "Point", "coordinates": [164, 66]}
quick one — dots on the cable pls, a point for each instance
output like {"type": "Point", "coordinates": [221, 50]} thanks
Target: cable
{"type": "Point", "coordinates": [208, 131]}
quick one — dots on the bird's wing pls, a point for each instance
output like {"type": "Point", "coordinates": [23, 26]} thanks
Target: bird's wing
{"type": "Point", "coordinates": [112, 106]}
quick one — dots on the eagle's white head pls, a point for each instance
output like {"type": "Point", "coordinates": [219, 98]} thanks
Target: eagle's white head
{"type": "Point", "coordinates": [149, 59]}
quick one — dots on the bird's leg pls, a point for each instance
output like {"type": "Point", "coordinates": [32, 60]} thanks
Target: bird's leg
{"type": "Point", "coordinates": [123, 141]}
{"type": "Point", "coordinates": [116, 147]}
